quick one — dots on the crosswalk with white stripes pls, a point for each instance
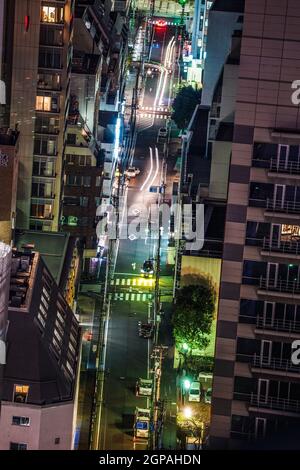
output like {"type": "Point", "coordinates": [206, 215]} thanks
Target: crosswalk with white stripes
{"type": "Point", "coordinates": [127, 289]}
{"type": "Point", "coordinates": [131, 296]}
{"type": "Point", "coordinates": [132, 282]}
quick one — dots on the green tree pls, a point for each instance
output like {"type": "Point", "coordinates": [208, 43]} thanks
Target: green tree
{"type": "Point", "coordinates": [184, 105]}
{"type": "Point", "coordinates": [193, 315]}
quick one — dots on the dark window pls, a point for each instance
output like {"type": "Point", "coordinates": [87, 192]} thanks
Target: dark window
{"type": "Point", "coordinates": [243, 387]}
{"type": "Point", "coordinates": [253, 271]}
{"type": "Point", "coordinates": [246, 348]}
{"type": "Point", "coordinates": [57, 440]}
{"type": "Point", "coordinates": [20, 421]}
{"type": "Point", "coordinates": [249, 310]}
{"type": "Point", "coordinates": [17, 446]}
{"type": "Point", "coordinates": [256, 233]}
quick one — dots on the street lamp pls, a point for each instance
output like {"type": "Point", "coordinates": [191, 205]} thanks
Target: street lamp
{"type": "Point", "coordinates": [185, 347]}
{"type": "Point", "coordinates": [187, 412]}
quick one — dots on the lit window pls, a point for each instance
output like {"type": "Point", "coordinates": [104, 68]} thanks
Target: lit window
{"type": "Point", "coordinates": [21, 393]}
{"type": "Point", "coordinates": [52, 14]}
{"type": "Point", "coordinates": [43, 103]}
{"type": "Point", "coordinates": [20, 421]}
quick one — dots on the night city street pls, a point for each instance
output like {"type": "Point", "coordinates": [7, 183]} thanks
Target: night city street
{"type": "Point", "coordinates": [149, 237]}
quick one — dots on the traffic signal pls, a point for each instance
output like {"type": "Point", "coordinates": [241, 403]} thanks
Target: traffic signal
{"type": "Point", "coordinates": [186, 384]}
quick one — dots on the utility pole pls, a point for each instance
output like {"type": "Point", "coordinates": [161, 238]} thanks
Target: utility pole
{"type": "Point", "coordinates": [157, 356]}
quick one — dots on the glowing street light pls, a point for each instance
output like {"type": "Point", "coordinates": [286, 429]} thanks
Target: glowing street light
{"type": "Point", "coordinates": [186, 384]}
{"type": "Point", "coordinates": [187, 412]}
{"type": "Point", "coordinates": [185, 347]}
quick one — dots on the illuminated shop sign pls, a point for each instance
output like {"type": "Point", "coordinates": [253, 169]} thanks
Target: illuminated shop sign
{"type": "Point", "coordinates": [293, 230]}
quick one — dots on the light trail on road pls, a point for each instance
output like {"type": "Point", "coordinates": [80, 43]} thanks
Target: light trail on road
{"type": "Point", "coordinates": [150, 171]}
{"type": "Point", "coordinates": [156, 169]}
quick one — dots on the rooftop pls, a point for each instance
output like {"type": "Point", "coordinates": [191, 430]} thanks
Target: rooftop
{"type": "Point", "coordinates": [52, 246]}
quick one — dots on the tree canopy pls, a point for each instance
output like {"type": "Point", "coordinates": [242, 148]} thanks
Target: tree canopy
{"type": "Point", "coordinates": [193, 316]}
{"type": "Point", "coordinates": [184, 105]}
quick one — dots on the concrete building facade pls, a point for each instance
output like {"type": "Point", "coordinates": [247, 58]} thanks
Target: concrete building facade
{"type": "Point", "coordinates": [256, 388]}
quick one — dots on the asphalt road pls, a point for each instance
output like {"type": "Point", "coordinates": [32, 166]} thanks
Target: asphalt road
{"type": "Point", "coordinates": [127, 355]}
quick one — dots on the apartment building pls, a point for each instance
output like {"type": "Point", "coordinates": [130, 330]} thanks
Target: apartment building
{"type": "Point", "coordinates": [39, 381]}
{"type": "Point", "coordinates": [9, 166]}
{"type": "Point", "coordinates": [97, 81]}
{"type": "Point", "coordinates": [256, 387]}
{"type": "Point", "coordinates": [37, 76]}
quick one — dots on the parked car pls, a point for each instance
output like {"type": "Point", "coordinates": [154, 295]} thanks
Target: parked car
{"type": "Point", "coordinates": [143, 387]}
{"type": "Point", "coordinates": [195, 392]}
{"type": "Point", "coordinates": [132, 171]}
{"type": "Point", "coordinates": [141, 426]}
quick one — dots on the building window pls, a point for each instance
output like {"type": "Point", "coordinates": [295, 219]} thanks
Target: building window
{"type": "Point", "coordinates": [97, 201]}
{"type": "Point", "coordinates": [43, 211]}
{"type": "Point", "coordinates": [57, 440]}
{"type": "Point", "coordinates": [84, 201]}
{"type": "Point", "coordinates": [52, 14]}
{"type": "Point", "coordinates": [21, 393]}
{"type": "Point", "coordinates": [49, 81]}
{"type": "Point", "coordinates": [43, 103]}
{"type": "Point", "coordinates": [20, 421]}
{"type": "Point", "coordinates": [50, 58]}
{"type": "Point", "coordinates": [86, 181]}
{"type": "Point", "coordinates": [74, 180]}
{"type": "Point", "coordinates": [98, 180]}
{"type": "Point", "coordinates": [45, 146]}
{"type": "Point", "coordinates": [17, 446]}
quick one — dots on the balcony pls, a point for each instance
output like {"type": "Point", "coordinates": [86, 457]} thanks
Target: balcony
{"type": "Point", "coordinates": [286, 405]}
{"type": "Point", "coordinates": [286, 207]}
{"type": "Point", "coordinates": [286, 250]}
{"type": "Point", "coordinates": [289, 168]}
{"type": "Point", "coordinates": [279, 288]}
{"type": "Point", "coordinates": [263, 402]}
{"type": "Point", "coordinates": [278, 325]}
{"type": "Point", "coordinates": [272, 363]}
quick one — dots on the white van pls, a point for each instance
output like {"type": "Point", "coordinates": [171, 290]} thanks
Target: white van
{"type": "Point", "coordinates": [194, 392]}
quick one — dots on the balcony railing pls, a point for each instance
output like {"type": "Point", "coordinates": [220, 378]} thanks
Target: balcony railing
{"type": "Point", "coordinates": [289, 207]}
{"type": "Point", "coordinates": [291, 168]}
{"type": "Point", "coordinates": [286, 207]}
{"type": "Point", "coordinates": [288, 247]}
{"type": "Point", "coordinates": [289, 326]}
{"type": "Point", "coordinates": [265, 362]}
{"type": "Point", "coordinates": [268, 402]}
{"type": "Point", "coordinates": [280, 285]}
{"type": "Point", "coordinates": [275, 166]}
